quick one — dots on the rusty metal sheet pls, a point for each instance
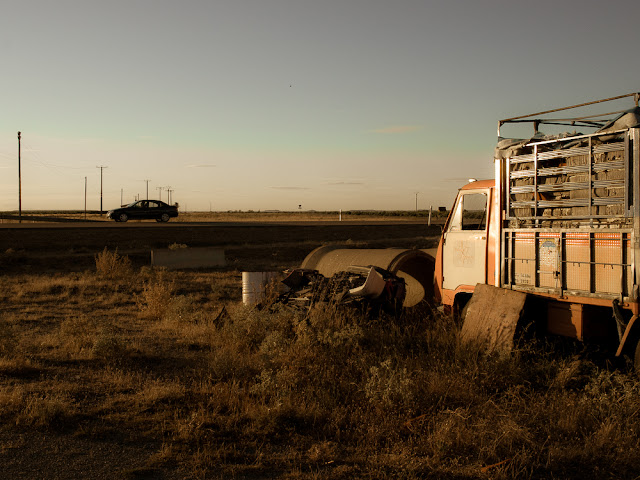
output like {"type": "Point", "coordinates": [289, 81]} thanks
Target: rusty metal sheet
{"type": "Point", "coordinates": [492, 317]}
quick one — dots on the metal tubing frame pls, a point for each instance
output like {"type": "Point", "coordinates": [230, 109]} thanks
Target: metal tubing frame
{"type": "Point", "coordinates": [627, 266]}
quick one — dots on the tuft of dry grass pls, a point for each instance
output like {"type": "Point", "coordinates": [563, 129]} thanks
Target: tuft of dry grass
{"type": "Point", "coordinates": [155, 299]}
{"type": "Point", "coordinates": [111, 265]}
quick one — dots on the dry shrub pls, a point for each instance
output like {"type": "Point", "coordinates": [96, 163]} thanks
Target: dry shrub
{"type": "Point", "coordinates": [77, 334]}
{"type": "Point", "coordinates": [60, 287]}
{"type": "Point", "coordinates": [109, 346]}
{"type": "Point", "coordinates": [155, 299]}
{"type": "Point", "coordinates": [323, 452]}
{"type": "Point", "coordinates": [157, 392]}
{"type": "Point", "coordinates": [183, 310]}
{"type": "Point", "coordinates": [111, 265]}
{"type": "Point", "coordinates": [47, 411]}
{"type": "Point", "coordinates": [41, 410]}
{"type": "Point", "coordinates": [227, 363]}
{"type": "Point", "coordinates": [8, 340]}
{"type": "Point", "coordinates": [389, 386]}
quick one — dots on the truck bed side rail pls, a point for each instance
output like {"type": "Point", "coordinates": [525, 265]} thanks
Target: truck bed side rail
{"type": "Point", "coordinates": [587, 263]}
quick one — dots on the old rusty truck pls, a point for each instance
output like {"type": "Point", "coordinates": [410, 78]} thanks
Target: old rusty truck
{"type": "Point", "coordinates": [559, 226]}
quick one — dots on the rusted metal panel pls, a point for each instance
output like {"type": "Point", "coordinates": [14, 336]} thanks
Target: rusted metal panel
{"type": "Point", "coordinates": [565, 319]}
{"type": "Point", "coordinates": [580, 321]}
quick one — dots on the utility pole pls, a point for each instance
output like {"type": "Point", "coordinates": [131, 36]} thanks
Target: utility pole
{"type": "Point", "coordinates": [85, 198]}
{"type": "Point", "coordinates": [101, 167]}
{"type": "Point", "coordinates": [417, 201]}
{"type": "Point", "coordinates": [160, 192]}
{"type": "Point", "coordinates": [168, 193]}
{"type": "Point", "coordinates": [147, 188]}
{"type": "Point", "coordinates": [121, 194]}
{"type": "Point", "coordinates": [19, 183]}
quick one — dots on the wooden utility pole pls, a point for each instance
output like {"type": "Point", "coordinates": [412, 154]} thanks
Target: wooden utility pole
{"type": "Point", "coordinates": [101, 167]}
{"type": "Point", "coordinates": [19, 183]}
{"type": "Point", "coordinates": [147, 188]}
{"type": "Point", "coordinates": [85, 198]}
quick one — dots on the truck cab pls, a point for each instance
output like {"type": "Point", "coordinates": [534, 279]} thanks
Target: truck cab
{"type": "Point", "coordinates": [466, 252]}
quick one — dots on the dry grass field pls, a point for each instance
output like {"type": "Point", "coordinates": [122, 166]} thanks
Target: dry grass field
{"type": "Point", "coordinates": [123, 371]}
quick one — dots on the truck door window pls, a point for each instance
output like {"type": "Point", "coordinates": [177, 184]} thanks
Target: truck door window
{"type": "Point", "coordinates": [474, 213]}
{"type": "Point", "coordinates": [471, 212]}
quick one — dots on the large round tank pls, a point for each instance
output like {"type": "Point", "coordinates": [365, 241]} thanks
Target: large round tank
{"type": "Point", "coordinates": [416, 267]}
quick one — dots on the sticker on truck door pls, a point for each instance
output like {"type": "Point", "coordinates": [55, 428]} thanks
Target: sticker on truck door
{"type": "Point", "coordinates": [464, 253]}
{"type": "Point", "coordinates": [549, 254]}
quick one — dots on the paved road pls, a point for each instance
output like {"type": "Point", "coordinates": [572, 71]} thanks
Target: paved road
{"type": "Point", "coordinates": [142, 235]}
{"type": "Point", "coordinates": [153, 224]}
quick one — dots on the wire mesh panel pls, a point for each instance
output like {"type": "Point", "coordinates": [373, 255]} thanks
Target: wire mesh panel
{"type": "Point", "coordinates": [569, 262]}
{"type": "Point", "coordinates": [560, 181]}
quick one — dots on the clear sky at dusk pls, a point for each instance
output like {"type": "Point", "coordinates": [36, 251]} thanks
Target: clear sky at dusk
{"type": "Point", "coordinates": [271, 104]}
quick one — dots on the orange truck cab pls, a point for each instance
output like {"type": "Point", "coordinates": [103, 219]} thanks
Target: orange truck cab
{"type": "Point", "coordinates": [466, 253]}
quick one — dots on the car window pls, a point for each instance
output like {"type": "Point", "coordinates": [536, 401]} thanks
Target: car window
{"type": "Point", "coordinates": [153, 204]}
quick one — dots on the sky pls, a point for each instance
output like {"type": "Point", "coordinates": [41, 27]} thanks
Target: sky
{"type": "Point", "coordinates": [287, 104]}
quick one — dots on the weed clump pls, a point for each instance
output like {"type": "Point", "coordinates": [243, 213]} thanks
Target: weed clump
{"type": "Point", "coordinates": [156, 298]}
{"type": "Point", "coordinates": [109, 346]}
{"type": "Point", "coordinates": [8, 339]}
{"type": "Point", "coordinates": [111, 265]}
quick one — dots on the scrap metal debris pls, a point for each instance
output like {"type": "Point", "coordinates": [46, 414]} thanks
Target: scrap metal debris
{"type": "Point", "coordinates": [370, 287]}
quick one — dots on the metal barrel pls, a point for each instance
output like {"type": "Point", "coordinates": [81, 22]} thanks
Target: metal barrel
{"type": "Point", "coordinates": [416, 267]}
{"type": "Point", "coordinates": [253, 286]}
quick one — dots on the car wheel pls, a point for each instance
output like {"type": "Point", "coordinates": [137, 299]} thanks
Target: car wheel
{"type": "Point", "coordinates": [123, 217]}
{"type": "Point", "coordinates": [164, 217]}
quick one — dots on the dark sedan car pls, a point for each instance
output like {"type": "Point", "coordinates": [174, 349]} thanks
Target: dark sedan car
{"type": "Point", "coordinates": [149, 209]}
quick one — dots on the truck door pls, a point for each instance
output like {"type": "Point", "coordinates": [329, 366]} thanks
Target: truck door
{"type": "Point", "coordinates": [464, 249]}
